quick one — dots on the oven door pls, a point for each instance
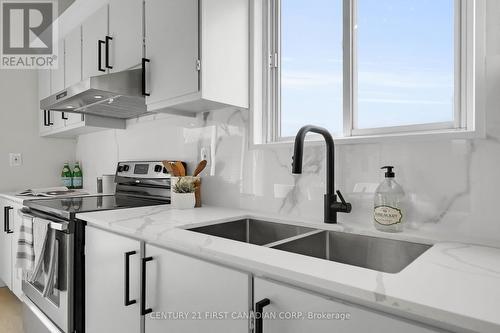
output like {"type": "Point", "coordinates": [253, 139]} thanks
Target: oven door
{"type": "Point", "coordinates": [57, 305]}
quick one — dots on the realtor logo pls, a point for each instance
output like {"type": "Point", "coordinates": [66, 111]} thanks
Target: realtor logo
{"type": "Point", "coordinates": [28, 34]}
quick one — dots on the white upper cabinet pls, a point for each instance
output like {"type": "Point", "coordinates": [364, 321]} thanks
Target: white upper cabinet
{"type": "Point", "coordinates": [57, 75]}
{"type": "Point", "coordinates": [57, 84]}
{"type": "Point", "coordinates": [43, 92]}
{"type": "Point", "coordinates": [73, 72]}
{"type": "Point", "coordinates": [198, 54]}
{"type": "Point", "coordinates": [172, 49]}
{"type": "Point", "coordinates": [94, 32]}
{"type": "Point", "coordinates": [126, 48]}
{"type": "Point", "coordinates": [73, 57]}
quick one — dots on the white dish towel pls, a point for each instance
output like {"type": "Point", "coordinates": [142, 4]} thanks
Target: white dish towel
{"type": "Point", "coordinates": [25, 256]}
{"type": "Point", "coordinates": [40, 233]}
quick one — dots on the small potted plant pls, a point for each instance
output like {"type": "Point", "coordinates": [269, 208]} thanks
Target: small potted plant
{"type": "Point", "coordinates": [183, 196]}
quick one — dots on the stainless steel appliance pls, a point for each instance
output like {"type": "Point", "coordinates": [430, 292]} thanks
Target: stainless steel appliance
{"type": "Point", "coordinates": [139, 184]}
{"type": "Point", "coordinates": [115, 95]}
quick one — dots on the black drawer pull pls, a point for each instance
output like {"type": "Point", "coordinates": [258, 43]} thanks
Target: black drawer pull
{"type": "Point", "coordinates": [144, 311]}
{"type": "Point", "coordinates": [128, 301]}
{"type": "Point", "coordinates": [49, 122]}
{"type": "Point", "coordinates": [6, 219]}
{"type": "Point", "coordinates": [144, 61]}
{"type": "Point", "coordinates": [259, 307]}
{"type": "Point", "coordinates": [108, 39]}
{"type": "Point", "coordinates": [100, 43]}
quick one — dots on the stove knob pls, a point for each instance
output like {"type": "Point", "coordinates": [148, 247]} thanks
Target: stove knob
{"type": "Point", "coordinates": [120, 168]}
{"type": "Point", "coordinates": [165, 170]}
{"type": "Point", "coordinates": [158, 168]}
{"type": "Point", "coordinates": [126, 168]}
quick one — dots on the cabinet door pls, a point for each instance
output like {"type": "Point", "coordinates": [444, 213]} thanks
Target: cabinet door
{"type": "Point", "coordinates": [94, 29]}
{"type": "Point", "coordinates": [286, 302]}
{"type": "Point", "coordinates": [5, 244]}
{"type": "Point", "coordinates": [105, 309]}
{"type": "Point", "coordinates": [57, 84]}
{"type": "Point", "coordinates": [17, 277]}
{"type": "Point", "coordinates": [73, 72]}
{"type": "Point", "coordinates": [44, 90]}
{"type": "Point", "coordinates": [126, 29]}
{"type": "Point", "coordinates": [172, 47]}
{"type": "Point", "coordinates": [177, 284]}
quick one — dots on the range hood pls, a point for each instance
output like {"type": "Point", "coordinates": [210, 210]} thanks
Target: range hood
{"type": "Point", "coordinates": [116, 95]}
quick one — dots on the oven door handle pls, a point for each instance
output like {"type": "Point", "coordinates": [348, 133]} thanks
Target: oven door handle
{"type": "Point", "coordinates": [55, 223]}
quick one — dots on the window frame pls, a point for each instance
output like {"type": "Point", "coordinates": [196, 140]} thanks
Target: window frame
{"type": "Point", "coordinates": [266, 74]}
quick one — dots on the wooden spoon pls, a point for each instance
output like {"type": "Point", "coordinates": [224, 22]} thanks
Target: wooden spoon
{"type": "Point", "coordinates": [200, 168]}
{"type": "Point", "coordinates": [175, 170]}
{"type": "Point", "coordinates": [168, 166]}
{"type": "Point", "coordinates": [180, 169]}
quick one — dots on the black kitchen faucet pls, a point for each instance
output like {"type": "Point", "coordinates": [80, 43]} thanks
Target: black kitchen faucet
{"type": "Point", "coordinates": [331, 205]}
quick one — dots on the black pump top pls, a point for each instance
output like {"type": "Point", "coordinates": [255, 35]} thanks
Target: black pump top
{"type": "Point", "coordinates": [389, 173]}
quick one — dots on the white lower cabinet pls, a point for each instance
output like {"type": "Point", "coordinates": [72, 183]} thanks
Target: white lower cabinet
{"type": "Point", "coordinates": [183, 294]}
{"type": "Point", "coordinates": [106, 255]}
{"type": "Point", "coordinates": [11, 219]}
{"type": "Point", "coordinates": [207, 296]}
{"type": "Point", "coordinates": [6, 210]}
{"type": "Point", "coordinates": [290, 310]}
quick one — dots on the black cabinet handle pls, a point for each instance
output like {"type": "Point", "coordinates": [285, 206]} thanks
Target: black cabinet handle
{"type": "Point", "coordinates": [46, 118]}
{"type": "Point", "coordinates": [49, 122]}
{"type": "Point", "coordinates": [259, 307]}
{"type": "Point", "coordinates": [107, 52]}
{"type": "Point", "coordinates": [144, 311]}
{"type": "Point", "coordinates": [63, 116]}
{"type": "Point", "coordinates": [6, 219]}
{"type": "Point", "coordinates": [144, 61]}
{"type": "Point", "coordinates": [100, 43]}
{"type": "Point", "coordinates": [128, 301]}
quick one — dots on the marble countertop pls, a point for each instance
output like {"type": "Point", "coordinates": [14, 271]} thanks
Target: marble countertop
{"type": "Point", "coordinates": [452, 285]}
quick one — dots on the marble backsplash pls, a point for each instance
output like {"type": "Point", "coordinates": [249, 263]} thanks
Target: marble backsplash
{"type": "Point", "coordinates": [451, 185]}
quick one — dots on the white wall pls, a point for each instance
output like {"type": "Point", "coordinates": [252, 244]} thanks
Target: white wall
{"type": "Point", "coordinates": [155, 137]}
{"type": "Point", "coordinates": [42, 158]}
{"type": "Point", "coordinates": [452, 185]}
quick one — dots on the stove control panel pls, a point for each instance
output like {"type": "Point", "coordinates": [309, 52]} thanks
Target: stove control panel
{"type": "Point", "coordinates": [140, 169]}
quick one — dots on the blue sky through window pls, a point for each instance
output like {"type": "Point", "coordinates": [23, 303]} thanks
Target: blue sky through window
{"type": "Point", "coordinates": [405, 63]}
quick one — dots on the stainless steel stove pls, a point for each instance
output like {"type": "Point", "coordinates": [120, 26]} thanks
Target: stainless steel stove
{"type": "Point", "coordinates": [138, 184]}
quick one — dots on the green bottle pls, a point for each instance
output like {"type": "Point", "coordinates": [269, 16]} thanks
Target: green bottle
{"type": "Point", "coordinates": [77, 176]}
{"type": "Point", "coordinates": [66, 176]}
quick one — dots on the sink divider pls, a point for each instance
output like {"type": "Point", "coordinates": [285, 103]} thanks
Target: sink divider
{"type": "Point", "coordinates": [293, 238]}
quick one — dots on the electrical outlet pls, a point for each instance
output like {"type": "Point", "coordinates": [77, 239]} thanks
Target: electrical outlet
{"type": "Point", "coordinates": [206, 155]}
{"type": "Point", "coordinates": [16, 159]}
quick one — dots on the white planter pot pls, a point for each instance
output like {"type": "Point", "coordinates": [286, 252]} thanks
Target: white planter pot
{"type": "Point", "coordinates": [183, 200]}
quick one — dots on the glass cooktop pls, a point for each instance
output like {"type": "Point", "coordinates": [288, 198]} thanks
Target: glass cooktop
{"type": "Point", "coordinates": [69, 206]}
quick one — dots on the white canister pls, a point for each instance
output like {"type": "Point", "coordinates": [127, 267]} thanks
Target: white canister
{"type": "Point", "coordinates": [108, 184]}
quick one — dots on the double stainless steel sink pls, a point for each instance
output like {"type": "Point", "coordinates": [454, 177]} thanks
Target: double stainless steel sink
{"type": "Point", "coordinates": [380, 254]}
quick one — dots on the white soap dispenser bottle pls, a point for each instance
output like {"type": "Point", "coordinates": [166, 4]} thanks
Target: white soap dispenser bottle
{"type": "Point", "coordinates": [389, 211]}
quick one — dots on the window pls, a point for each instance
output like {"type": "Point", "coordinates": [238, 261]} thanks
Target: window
{"type": "Point", "coordinates": [365, 67]}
